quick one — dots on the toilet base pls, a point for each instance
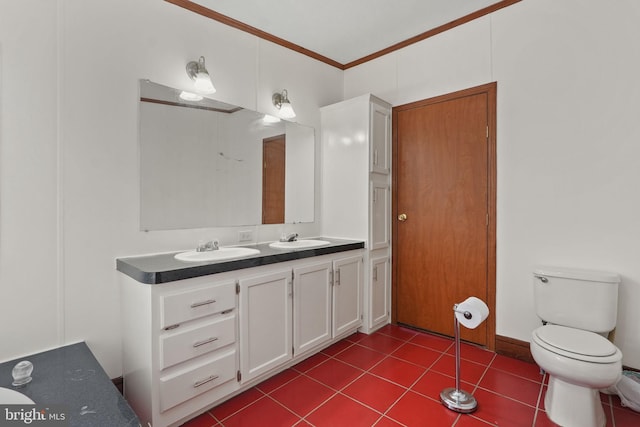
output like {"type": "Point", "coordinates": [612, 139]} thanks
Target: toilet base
{"type": "Point", "coordinates": [570, 405]}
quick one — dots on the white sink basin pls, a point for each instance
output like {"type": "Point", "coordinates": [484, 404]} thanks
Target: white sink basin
{"type": "Point", "coordinates": [221, 254]}
{"type": "Point", "coordinates": [299, 244]}
{"type": "Point", "coordinates": [12, 397]}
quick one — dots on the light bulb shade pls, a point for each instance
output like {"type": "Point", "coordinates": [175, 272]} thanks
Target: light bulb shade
{"type": "Point", "coordinates": [281, 101]}
{"type": "Point", "coordinates": [203, 83]}
{"type": "Point", "coordinates": [199, 74]}
{"type": "Point", "coordinates": [286, 111]}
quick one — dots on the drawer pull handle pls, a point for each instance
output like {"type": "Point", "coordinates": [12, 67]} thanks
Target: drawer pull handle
{"type": "Point", "coordinates": [203, 342]}
{"type": "Point", "coordinates": [200, 304]}
{"type": "Point", "coordinates": [206, 380]}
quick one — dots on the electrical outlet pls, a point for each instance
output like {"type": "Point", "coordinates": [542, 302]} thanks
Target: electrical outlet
{"type": "Point", "coordinates": [245, 236]}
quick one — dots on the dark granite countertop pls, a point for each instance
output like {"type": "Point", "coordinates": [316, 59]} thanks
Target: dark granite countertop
{"type": "Point", "coordinates": [162, 268]}
{"type": "Point", "coordinates": [70, 381]}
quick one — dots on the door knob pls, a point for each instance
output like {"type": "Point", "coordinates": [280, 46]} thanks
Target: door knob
{"type": "Point", "coordinates": [402, 217]}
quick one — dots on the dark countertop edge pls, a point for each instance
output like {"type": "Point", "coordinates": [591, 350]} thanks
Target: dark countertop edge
{"type": "Point", "coordinates": [173, 270]}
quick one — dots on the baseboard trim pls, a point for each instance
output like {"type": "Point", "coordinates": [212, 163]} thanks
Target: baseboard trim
{"type": "Point", "coordinates": [514, 348]}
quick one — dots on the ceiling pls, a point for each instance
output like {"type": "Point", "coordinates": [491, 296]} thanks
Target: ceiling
{"type": "Point", "coordinates": [344, 33]}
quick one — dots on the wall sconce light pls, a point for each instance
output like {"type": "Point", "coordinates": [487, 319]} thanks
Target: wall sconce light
{"type": "Point", "coordinates": [281, 101]}
{"type": "Point", "coordinates": [199, 74]}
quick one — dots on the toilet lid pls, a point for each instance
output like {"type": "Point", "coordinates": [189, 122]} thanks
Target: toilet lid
{"type": "Point", "coordinates": [575, 343]}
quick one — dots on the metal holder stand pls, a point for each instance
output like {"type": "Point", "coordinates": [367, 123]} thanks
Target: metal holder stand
{"type": "Point", "coordinates": [454, 398]}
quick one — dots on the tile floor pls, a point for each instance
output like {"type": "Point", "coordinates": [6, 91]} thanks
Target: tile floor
{"type": "Point", "coordinates": [394, 378]}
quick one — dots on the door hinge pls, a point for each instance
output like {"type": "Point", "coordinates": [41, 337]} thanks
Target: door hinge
{"type": "Point", "coordinates": [487, 220]}
{"type": "Point", "coordinates": [487, 131]}
{"type": "Point", "coordinates": [237, 287]}
{"type": "Point", "coordinates": [362, 317]}
{"type": "Point", "coordinates": [239, 376]}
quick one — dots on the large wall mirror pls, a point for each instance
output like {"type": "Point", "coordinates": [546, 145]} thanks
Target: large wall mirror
{"type": "Point", "coordinates": [210, 164]}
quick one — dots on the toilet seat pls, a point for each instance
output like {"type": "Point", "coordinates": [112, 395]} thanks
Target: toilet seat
{"type": "Point", "coordinates": [576, 344]}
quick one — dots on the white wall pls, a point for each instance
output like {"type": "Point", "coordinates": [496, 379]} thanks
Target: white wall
{"type": "Point", "coordinates": [568, 131]}
{"type": "Point", "coordinates": [69, 157]}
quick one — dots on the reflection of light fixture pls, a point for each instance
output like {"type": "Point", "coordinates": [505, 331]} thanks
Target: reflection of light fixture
{"type": "Point", "coordinates": [281, 101]}
{"type": "Point", "coordinates": [190, 96]}
{"type": "Point", "coordinates": [199, 74]}
{"type": "Point", "coordinates": [270, 119]}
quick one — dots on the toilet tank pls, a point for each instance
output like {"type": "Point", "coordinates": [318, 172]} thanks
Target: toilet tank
{"type": "Point", "coordinates": [583, 299]}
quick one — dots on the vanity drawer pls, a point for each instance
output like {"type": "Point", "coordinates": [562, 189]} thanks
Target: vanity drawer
{"type": "Point", "coordinates": [193, 342]}
{"type": "Point", "coordinates": [182, 386]}
{"type": "Point", "coordinates": [193, 304]}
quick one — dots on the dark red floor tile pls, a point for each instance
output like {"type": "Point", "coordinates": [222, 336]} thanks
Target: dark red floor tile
{"type": "Point", "coordinates": [470, 372]}
{"type": "Point", "coordinates": [381, 342]}
{"type": "Point", "coordinates": [468, 420]}
{"type": "Point", "coordinates": [517, 367]}
{"type": "Point", "coordinates": [434, 342]}
{"type": "Point", "coordinates": [257, 413]}
{"type": "Point", "coordinates": [360, 357]}
{"type": "Point", "coordinates": [277, 380]}
{"type": "Point", "coordinates": [398, 371]}
{"type": "Point", "coordinates": [506, 384]}
{"type": "Point", "coordinates": [398, 332]}
{"type": "Point", "coordinates": [311, 362]}
{"type": "Point", "coordinates": [342, 411]}
{"type": "Point", "coordinates": [543, 421]}
{"type": "Point", "coordinates": [374, 392]}
{"type": "Point", "coordinates": [387, 422]}
{"type": "Point", "coordinates": [202, 420]}
{"type": "Point", "coordinates": [336, 348]}
{"type": "Point", "coordinates": [416, 354]}
{"type": "Point", "coordinates": [473, 353]}
{"type": "Point", "coordinates": [227, 408]}
{"type": "Point", "coordinates": [626, 417]}
{"type": "Point", "coordinates": [415, 410]}
{"type": "Point", "coordinates": [302, 395]}
{"type": "Point", "coordinates": [334, 373]}
{"type": "Point", "coordinates": [356, 337]}
{"type": "Point", "coordinates": [432, 383]}
{"type": "Point", "coordinates": [502, 411]}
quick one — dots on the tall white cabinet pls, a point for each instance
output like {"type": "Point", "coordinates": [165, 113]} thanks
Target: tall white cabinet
{"type": "Point", "coordinates": [356, 192]}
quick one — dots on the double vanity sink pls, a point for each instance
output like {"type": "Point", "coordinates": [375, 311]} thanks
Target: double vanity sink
{"type": "Point", "coordinates": [163, 268]}
{"type": "Point", "coordinates": [227, 253]}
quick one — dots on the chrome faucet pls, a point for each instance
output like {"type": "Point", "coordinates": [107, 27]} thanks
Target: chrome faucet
{"type": "Point", "coordinates": [292, 237]}
{"type": "Point", "coordinates": [211, 245]}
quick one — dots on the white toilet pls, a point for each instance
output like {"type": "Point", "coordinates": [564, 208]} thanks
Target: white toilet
{"type": "Point", "coordinates": [578, 308]}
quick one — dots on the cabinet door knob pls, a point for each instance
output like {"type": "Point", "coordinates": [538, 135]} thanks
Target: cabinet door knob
{"type": "Point", "coordinates": [402, 217]}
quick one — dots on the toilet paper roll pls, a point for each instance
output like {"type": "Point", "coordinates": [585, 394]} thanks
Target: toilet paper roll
{"type": "Point", "coordinates": [476, 308]}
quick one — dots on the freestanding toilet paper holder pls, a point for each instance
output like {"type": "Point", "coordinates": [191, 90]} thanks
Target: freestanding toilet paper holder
{"type": "Point", "coordinates": [454, 398]}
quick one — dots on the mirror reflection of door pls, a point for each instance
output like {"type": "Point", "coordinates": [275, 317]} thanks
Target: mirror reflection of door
{"type": "Point", "coordinates": [273, 167]}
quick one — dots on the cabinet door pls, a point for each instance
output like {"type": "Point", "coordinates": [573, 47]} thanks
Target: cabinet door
{"type": "Point", "coordinates": [380, 136]}
{"type": "Point", "coordinates": [347, 294]}
{"type": "Point", "coordinates": [311, 306]}
{"type": "Point", "coordinates": [265, 323]}
{"type": "Point", "coordinates": [379, 301]}
{"type": "Point", "coordinates": [380, 215]}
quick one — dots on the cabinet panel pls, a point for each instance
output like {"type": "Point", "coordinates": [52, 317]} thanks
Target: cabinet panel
{"type": "Point", "coordinates": [179, 387]}
{"type": "Point", "coordinates": [380, 215]}
{"type": "Point", "coordinates": [192, 342]}
{"type": "Point", "coordinates": [311, 306]}
{"type": "Point", "coordinates": [380, 291]}
{"type": "Point", "coordinates": [347, 294]}
{"type": "Point", "coordinates": [380, 136]}
{"type": "Point", "coordinates": [265, 323]}
{"type": "Point", "coordinates": [196, 303]}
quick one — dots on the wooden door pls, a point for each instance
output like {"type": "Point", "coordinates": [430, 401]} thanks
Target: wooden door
{"type": "Point", "coordinates": [444, 180]}
{"type": "Point", "coordinates": [273, 175]}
